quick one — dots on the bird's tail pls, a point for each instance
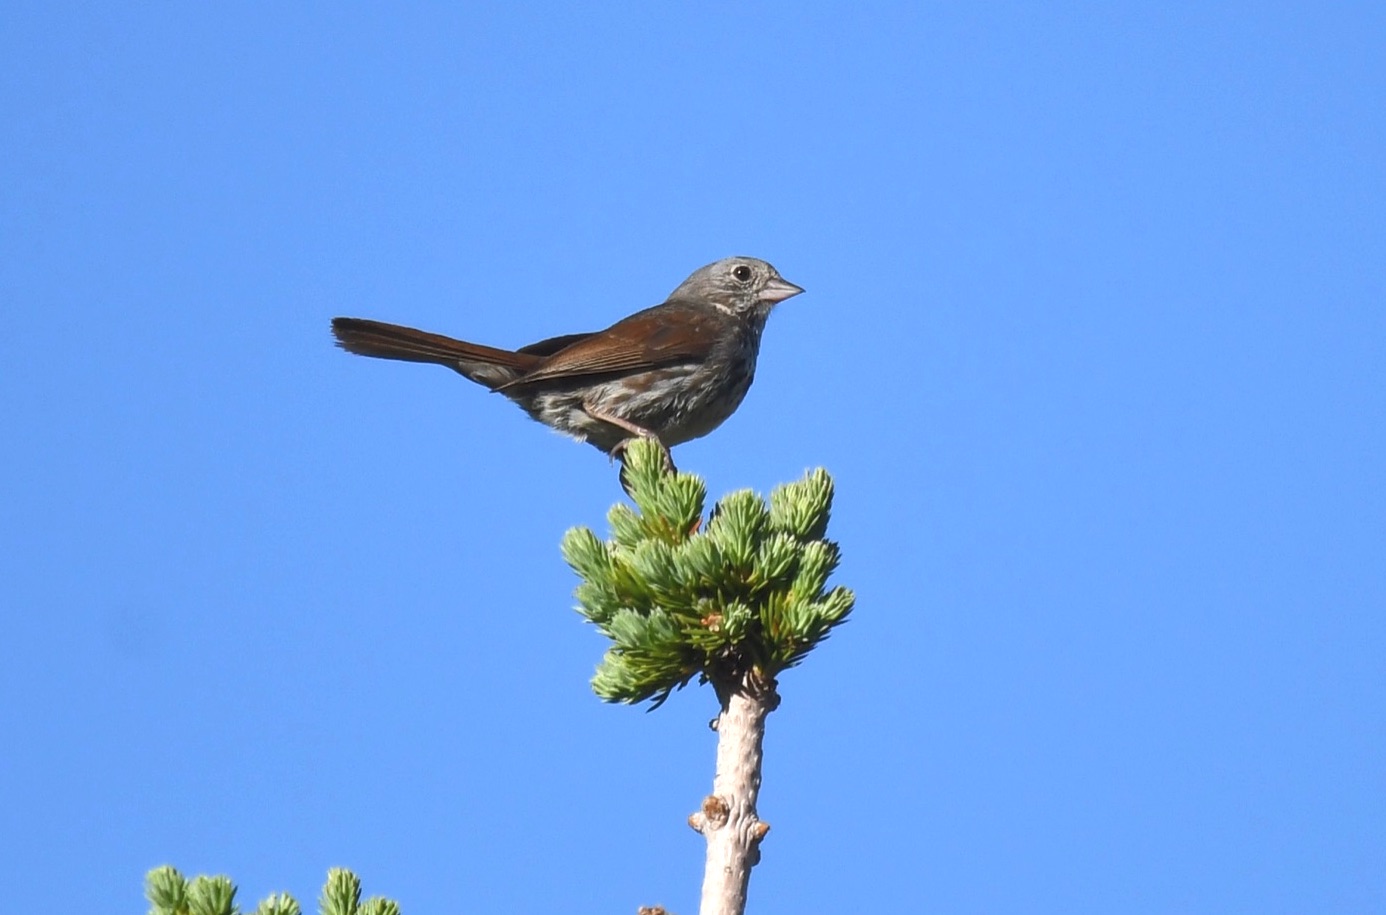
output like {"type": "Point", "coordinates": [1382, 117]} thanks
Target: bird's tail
{"type": "Point", "coordinates": [482, 364]}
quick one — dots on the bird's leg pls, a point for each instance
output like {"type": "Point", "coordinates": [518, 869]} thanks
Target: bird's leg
{"type": "Point", "coordinates": [619, 451]}
{"type": "Point", "coordinates": [635, 431]}
{"type": "Point", "coordinates": [596, 413]}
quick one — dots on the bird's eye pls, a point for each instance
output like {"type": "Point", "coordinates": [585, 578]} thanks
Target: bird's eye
{"type": "Point", "coordinates": [742, 273]}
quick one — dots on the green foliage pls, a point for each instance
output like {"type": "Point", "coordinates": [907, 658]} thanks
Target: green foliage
{"type": "Point", "coordinates": [170, 894]}
{"type": "Point", "coordinates": [680, 598]}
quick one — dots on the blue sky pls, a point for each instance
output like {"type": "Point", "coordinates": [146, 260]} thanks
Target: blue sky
{"type": "Point", "coordinates": [1093, 344]}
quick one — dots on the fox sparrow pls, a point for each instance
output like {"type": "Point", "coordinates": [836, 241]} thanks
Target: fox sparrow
{"type": "Point", "coordinates": [672, 373]}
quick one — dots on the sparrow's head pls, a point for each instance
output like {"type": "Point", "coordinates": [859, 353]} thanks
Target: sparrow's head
{"type": "Point", "coordinates": [737, 285]}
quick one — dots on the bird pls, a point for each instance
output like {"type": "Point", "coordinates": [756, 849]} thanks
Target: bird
{"type": "Point", "coordinates": [670, 373]}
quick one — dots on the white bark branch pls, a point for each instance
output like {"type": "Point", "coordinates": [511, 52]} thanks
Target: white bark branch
{"type": "Point", "coordinates": [728, 816]}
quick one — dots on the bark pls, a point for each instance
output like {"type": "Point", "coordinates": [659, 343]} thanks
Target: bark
{"type": "Point", "coordinates": [728, 816]}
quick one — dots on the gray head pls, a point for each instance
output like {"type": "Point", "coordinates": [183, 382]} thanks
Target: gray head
{"type": "Point", "coordinates": [736, 285]}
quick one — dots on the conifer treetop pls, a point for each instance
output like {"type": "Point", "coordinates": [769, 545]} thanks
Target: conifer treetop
{"type": "Point", "coordinates": [740, 594]}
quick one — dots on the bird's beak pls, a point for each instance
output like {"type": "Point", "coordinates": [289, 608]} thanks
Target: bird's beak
{"type": "Point", "coordinates": [779, 289]}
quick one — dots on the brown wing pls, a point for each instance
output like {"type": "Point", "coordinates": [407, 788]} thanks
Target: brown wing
{"type": "Point", "coordinates": [666, 334]}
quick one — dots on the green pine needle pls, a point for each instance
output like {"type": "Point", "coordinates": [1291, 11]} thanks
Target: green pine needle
{"type": "Point", "coordinates": [169, 893]}
{"type": "Point", "coordinates": [342, 893]}
{"type": "Point", "coordinates": [211, 896]}
{"type": "Point", "coordinates": [681, 596]}
{"type": "Point", "coordinates": [279, 904]}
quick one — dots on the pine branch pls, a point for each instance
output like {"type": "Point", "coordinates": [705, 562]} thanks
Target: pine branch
{"type": "Point", "coordinates": [169, 893]}
{"type": "Point", "coordinates": [727, 818]}
{"type": "Point", "coordinates": [732, 601]}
